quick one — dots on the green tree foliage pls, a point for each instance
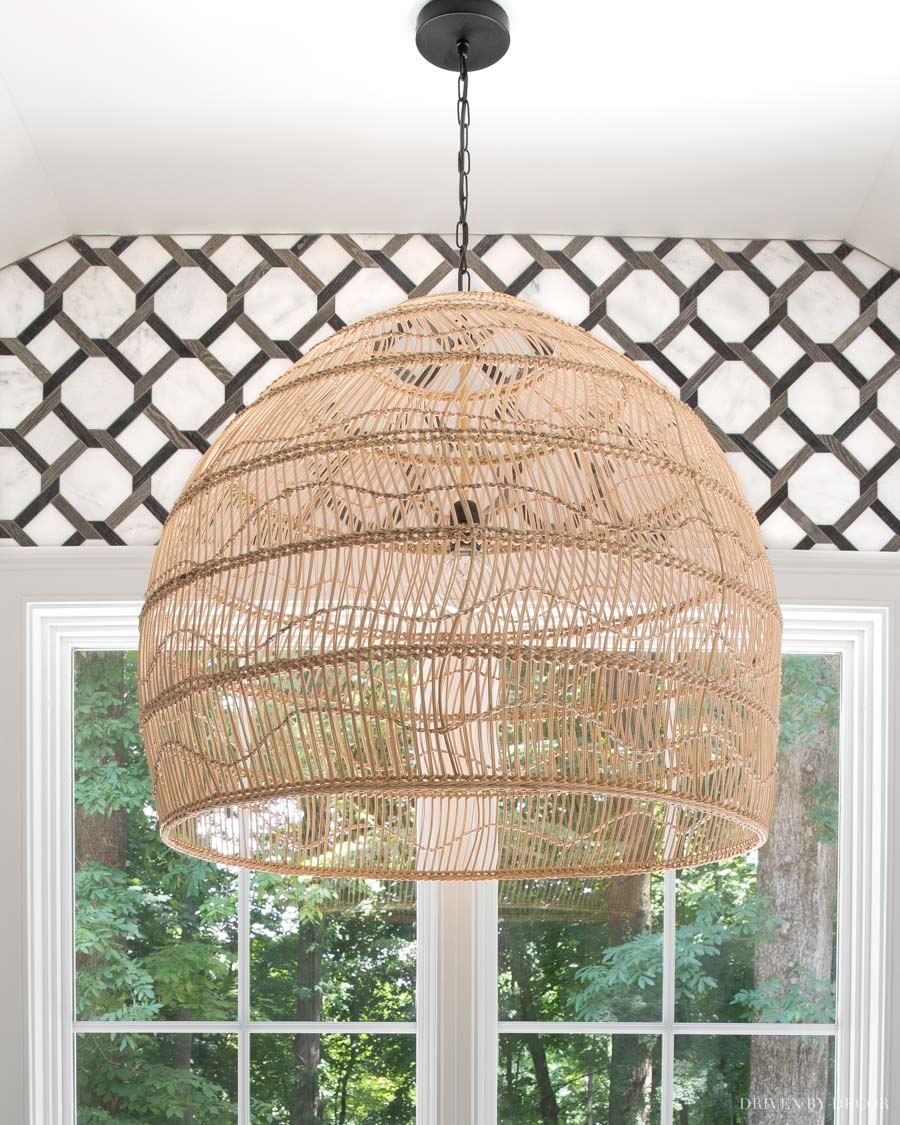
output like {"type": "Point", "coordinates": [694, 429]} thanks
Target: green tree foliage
{"type": "Point", "coordinates": [155, 937]}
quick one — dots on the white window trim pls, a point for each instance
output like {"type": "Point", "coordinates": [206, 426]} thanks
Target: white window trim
{"type": "Point", "coordinates": [40, 592]}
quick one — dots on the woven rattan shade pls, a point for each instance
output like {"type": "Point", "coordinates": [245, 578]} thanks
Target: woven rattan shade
{"type": "Point", "coordinates": [464, 594]}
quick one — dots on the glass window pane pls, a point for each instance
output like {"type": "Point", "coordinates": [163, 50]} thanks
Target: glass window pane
{"type": "Point", "coordinates": [755, 936]}
{"type": "Point", "coordinates": [155, 932]}
{"type": "Point", "coordinates": [581, 949]}
{"type": "Point", "coordinates": [754, 1080]}
{"type": "Point", "coordinates": [145, 1078]}
{"type": "Point", "coordinates": [353, 1079]}
{"type": "Point", "coordinates": [333, 949]}
{"type": "Point", "coordinates": [578, 1079]}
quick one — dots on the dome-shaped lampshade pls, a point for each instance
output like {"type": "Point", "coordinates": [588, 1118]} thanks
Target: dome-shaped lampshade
{"type": "Point", "coordinates": [464, 594]}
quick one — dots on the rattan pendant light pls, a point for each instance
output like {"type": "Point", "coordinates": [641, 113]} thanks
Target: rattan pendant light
{"type": "Point", "coordinates": [464, 594]}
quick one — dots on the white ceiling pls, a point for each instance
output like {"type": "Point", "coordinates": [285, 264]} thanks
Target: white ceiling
{"type": "Point", "coordinates": [777, 118]}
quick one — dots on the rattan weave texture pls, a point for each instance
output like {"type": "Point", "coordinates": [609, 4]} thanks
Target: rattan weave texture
{"type": "Point", "coordinates": [464, 594]}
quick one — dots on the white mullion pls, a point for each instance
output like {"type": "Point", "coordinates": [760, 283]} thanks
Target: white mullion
{"type": "Point", "coordinates": [225, 1027]}
{"type": "Point", "coordinates": [577, 1027]}
{"type": "Point", "coordinates": [750, 1029]}
{"type": "Point", "coordinates": [332, 1028]}
{"type": "Point", "coordinates": [486, 1038]}
{"type": "Point", "coordinates": [667, 1046]}
{"type": "Point", "coordinates": [244, 997]}
{"type": "Point", "coordinates": [427, 1009]}
{"type": "Point", "coordinates": [588, 1027]}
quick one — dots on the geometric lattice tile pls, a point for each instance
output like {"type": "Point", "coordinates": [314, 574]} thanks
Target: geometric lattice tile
{"type": "Point", "coordinates": [122, 358]}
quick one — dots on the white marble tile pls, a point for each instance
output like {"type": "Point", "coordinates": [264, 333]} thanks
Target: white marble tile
{"type": "Point", "coordinates": [50, 438]}
{"type": "Point", "coordinates": [889, 398]}
{"type": "Point", "coordinates": [778, 351]}
{"type": "Point", "coordinates": [687, 261]}
{"type": "Point", "coordinates": [97, 393]}
{"type": "Point", "coordinates": [145, 257]}
{"type": "Point", "coordinates": [598, 260]}
{"type": "Point", "coordinates": [139, 528]}
{"type": "Point", "coordinates": [755, 484]}
{"type": "Point", "coordinates": [642, 242]}
{"type": "Point", "coordinates": [823, 398]}
{"type": "Point", "coordinates": [95, 484]}
{"type": "Point", "coordinates": [823, 489]}
{"type": "Point", "coordinates": [868, 532]}
{"type": "Point", "coordinates": [889, 488]}
{"type": "Point", "coordinates": [236, 258]}
{"type": "Point", "coordinates": [733, 245]}
{"type": "Point", "coordinates": [264, 378]}
{"type": "Point", "coordinates": [143, 348]}
{"type": "Point", "coordinates": [19, 483]}
{"type": "Point", "coordinates": [823, 307]}
{"type": "Point", "coordinates": [823, 245]}
{"type": "Point", "coordinates": [642, 305]}
{"type": "Point", "coordinates": [20, 301]}
{"type": "Point", "coordinates": [868, 443]}
{"type": "Point", "coordinates": [777, 261]}
{"type": "Point", "coordinates": [551, 241]}
{"type": "Point", "coordinates": [867, 269]}
{"type": "Point", "coordinates": [55, 260]}
{"type": "Point", "coordinates": [234, 348]}
{"type": "Point", "coordinates": [326, 258]}
{"type": "Point", "coordinates": [369, 292]}
{"type": "Point", "coordinates": [556, 293]}
{"type": "Point", "coordinates": [371, 241]}
{"type": "Point", "coordinates": [189, 302]}
{"type": "Point", "coordinates": [868, 353]}
{"type": "Point", "coordinates": [141, 439]}
{"type": "Point", "coordinates": [888, 307]}
{"type": "Point", "coordinates": [100, 241]}
{"type": "Point", "coordinates": [52, 346]}
{"type": "Point", "coordinates": [323, 332]}
{"type": "Point", "coordinates": [169, 479]}
{"type": "Point", "coordinates": [780, 532]}
{"type": "Point", "coordinates": [779, 442]}
{"type": "Point", "coordinates": [280, 240]}
{"type": "Point", "coordinates": [732, 306]}
{"type": "Point", "coordinates": [280, 303]}
{"type": "Point", "coordinates": [733, 397]}
{"type": "Point", "coordinates": [49, 528]}
{"type": "Point", "coordinates": [188, 393]}
{"type": "Point", "coordinates": [98, 301]}
{"type": "Point", "coordinates": [688, 351]}
{"type": "Point", "coordinates": [417, 259]}
{"type": "Point", "coordinates": [20, 392]}
{"type": "Point", "coordinates": [507, 258]}
{"type": "Point", "coordinates": [191, 241]}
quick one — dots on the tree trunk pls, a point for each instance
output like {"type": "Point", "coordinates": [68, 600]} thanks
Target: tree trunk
{"type": "Point", "coordinates": [589, 1105]}
{"type": "Point", "coordinates": [631, 1062]}
{"type": "Point", "coordinates": [307, 1108]}
{"type": "Point", "coordinates": [797, 877]}
{"type": "Point", "coordinates": [184, 1049]}
{"type": "Point", "coordinates": [548, 1107]}
{"type": "Point", "coordinates": [345, 1080]}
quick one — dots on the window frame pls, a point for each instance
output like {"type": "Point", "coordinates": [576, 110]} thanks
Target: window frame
{"type": "Point", "coordinates": [51, 598]}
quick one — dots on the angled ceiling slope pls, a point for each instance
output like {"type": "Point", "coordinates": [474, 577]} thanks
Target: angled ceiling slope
{"type": "Point", "coordinates": [31, 216]}
{"type": "Point", "coordinates": [771, 121]}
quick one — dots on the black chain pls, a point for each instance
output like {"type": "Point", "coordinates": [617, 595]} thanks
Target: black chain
{"type": "Point", "coordinates": [463, 161]}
